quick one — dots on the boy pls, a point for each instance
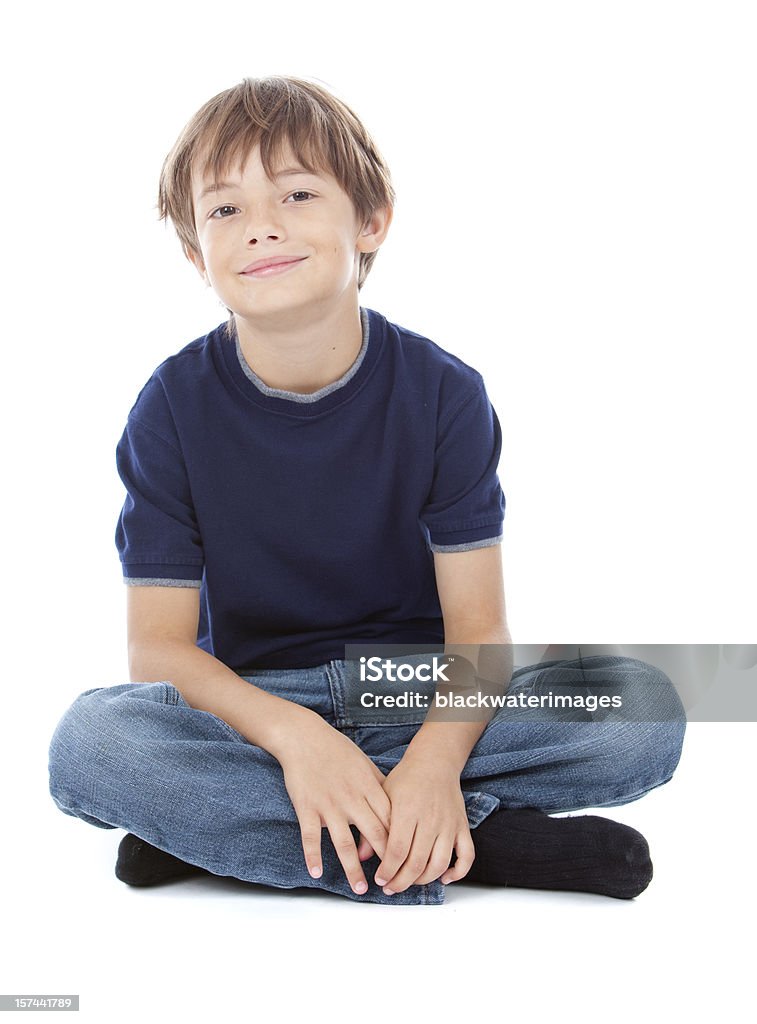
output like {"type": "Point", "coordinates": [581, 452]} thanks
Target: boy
{"type": "Point", "coordinates": [305, 477]}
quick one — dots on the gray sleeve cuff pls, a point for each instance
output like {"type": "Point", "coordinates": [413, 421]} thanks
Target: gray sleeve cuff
{"type": "Point", "coordinates": [140, 581]}
{"type": "Point", "coordinates": [488, 542]}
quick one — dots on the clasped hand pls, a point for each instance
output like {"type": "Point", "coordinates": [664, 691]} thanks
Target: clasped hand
{"type": "Point", "coordinates": [413, 818]}
{"type": "Point", "coordinates": [427, 822]}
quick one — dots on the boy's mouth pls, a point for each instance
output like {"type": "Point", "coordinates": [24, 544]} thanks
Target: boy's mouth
{"type": "Point", "coordinates": [271, 265]}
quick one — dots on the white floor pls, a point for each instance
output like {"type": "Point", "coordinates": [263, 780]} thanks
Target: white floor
{"type": "Point", "coordinates": [220, 950]}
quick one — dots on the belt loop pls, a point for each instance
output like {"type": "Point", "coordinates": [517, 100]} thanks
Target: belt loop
{"type": "Point", "coordinates": [335, 676]}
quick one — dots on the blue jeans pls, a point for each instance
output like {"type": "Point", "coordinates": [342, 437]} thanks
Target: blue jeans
{"type": "Point", "coordinates": [136, 756]}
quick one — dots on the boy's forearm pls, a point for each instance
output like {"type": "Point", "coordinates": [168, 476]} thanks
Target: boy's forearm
{"type": "Point", "coordinates": [449, 734]}
{"type": "Point", "coordinates": [445, 743]}
{"type": "Point", "coordinates": [207, 684]}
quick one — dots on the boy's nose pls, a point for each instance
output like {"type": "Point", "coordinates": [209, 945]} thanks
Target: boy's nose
{"type": "Point", "coordinates": [263, 224]}
{"type": "Point", "coordinates": [260, 236]}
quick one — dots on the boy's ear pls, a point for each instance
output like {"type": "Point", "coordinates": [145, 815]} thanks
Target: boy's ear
{"type": "Point", "coordinates": [195, 258]}
{"type": "Point", "coordinates": [375, 229]}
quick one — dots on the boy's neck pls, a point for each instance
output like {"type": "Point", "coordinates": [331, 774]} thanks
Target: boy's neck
{"type": "Point", "coordinates": [303, 352]}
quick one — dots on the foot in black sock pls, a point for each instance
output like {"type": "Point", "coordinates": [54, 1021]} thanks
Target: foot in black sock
{"type": "Point", "coordinates": [140, 864]}
{"type": "Point", "coordinates": [525, 848]}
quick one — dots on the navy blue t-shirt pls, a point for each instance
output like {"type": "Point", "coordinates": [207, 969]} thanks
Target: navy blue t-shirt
{"type": "Point", "coordinates": [308, 520]}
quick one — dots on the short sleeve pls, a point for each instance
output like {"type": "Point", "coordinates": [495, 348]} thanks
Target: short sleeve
{"type": "Point", "coordinates": [157, 536]}
{"type": "Point", "coordinates": [465, 508]}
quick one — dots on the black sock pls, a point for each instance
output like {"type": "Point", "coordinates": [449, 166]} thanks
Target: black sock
{"type": "Point", "coordinates": [139, 863]}
{"type": "Point", "coordinates": [528, 849]}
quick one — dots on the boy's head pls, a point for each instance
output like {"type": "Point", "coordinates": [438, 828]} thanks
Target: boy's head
{"type": "Point", "coordinates": [279, 117]}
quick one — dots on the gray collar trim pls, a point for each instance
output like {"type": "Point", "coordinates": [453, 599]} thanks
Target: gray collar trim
{"type": "Point", "coordinates": [313, 396]}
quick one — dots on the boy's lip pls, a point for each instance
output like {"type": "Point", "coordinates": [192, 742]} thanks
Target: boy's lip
{"type": "Point", "coordinates": [271, 261]}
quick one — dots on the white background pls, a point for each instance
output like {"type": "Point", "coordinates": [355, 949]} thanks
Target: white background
{"type": "Point", "coordinates": [576, 218]}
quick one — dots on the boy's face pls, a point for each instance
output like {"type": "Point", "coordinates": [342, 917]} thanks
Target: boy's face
{"type": "Point", "coordinates": [302, 225]}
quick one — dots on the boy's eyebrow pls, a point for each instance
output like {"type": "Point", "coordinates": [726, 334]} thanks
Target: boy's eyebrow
{"type": "Point", "coordinates": [217, 186]}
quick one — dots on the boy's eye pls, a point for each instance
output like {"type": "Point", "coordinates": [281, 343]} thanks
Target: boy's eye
{"type": "Point", "coordinates": [307, 195]}
{"type": "Point", "coordinates": [223, 211]}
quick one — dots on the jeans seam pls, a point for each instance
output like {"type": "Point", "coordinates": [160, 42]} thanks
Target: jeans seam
{"type": "Point", "coordinates": [335, 680]}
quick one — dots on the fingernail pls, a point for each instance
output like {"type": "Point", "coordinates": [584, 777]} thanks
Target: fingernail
{"type": "Point", "coordinates": [389, 892]}
{"type": "Point", "coordinates": [379, 881]}
{"type": "Point", "coordinates": [316, 872]}
{"type": "Point", "coordinates": [361, 887]}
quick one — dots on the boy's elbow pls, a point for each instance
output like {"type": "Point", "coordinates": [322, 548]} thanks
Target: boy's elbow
{"type": "Point", "coordinates": [139, 663]}
{"type": "Point", "coordinates": [476, 630]}
{"type": "Point", "coordinates": [154, 660]}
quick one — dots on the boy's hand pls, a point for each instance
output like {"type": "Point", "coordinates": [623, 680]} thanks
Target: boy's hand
{"type": "Point", "coordinates": [332, 783]}
{"type": "Point", "coordinates": [428, 822]}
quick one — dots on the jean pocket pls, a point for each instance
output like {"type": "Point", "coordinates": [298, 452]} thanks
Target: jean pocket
{"type": "Point", "coordinates": [377, 699]}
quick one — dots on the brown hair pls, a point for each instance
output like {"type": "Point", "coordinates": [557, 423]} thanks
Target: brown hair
{"type": "Point", "coordinates": [323, 133]}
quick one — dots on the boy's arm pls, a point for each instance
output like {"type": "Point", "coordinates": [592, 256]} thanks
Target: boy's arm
{"type": "Point", "coordinates": [330, 781]}
{"type": "Point", "coordinates": [162, 627]}
{"type": "Point", "coordinates": [429, 819]}
{"type": "Point", "coordinates": [472, 597]}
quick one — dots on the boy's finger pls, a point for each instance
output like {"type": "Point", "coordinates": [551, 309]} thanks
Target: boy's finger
{"type": "Point", "coordinates": [438, 861]}
{"type": "Point", "coordinates": [415, 864]}
{"type": "Point", "coordinates": [310, 832]}
{"type": "Point", "coordinates": [346, 851]}
{"type": "Point", "coordinates": [466, 854]}
{"type": "Point", "coordinates": [381, 806]}
{"type": "Point", "coordinates": [364, 849]}
{"type": "Point", "coordinates": [397, 846]}
{"type": "Point", "coordinates": [372, 830]}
